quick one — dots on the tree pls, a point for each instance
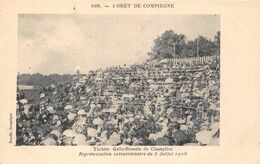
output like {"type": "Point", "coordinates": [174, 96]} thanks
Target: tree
{"type": "Point", "coordinates": [190, 49]}
{"type": "Point", "coordinates": [205, 47]}
{"type": "Point", "coordinates": [217, 43]}
{"type": "Point", "coordinates": [168, 44]}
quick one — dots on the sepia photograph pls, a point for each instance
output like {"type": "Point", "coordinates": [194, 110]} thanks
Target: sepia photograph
{"type": "Point", "coordinates": [113, 80]}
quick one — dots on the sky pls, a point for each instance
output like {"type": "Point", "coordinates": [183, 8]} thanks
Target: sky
{"type": "Point", "coordinates": [61, 44]}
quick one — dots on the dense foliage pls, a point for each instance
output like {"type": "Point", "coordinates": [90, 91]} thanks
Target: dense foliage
{"type": "Point", "coordinates": [40, 80]}
{"type": "Point", "coordinates": [171, 44]}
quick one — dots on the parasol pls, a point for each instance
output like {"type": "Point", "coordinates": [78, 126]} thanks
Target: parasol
{"type": "Point", "coordinates": [69, 133]}
{"type": "Point", "coordinates": [79, 139]}
{"type": "Point", "coordinates": [92, 132]}
{"type": "Point", "coordinates": [114, 139]}
{"type": "Point", "coordinates": [49, 141]}
{"type": "Point", "coordinates": [204, 136]}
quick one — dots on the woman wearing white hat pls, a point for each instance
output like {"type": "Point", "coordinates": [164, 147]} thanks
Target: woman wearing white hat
{"type": "Point", "coordinates": [80, 125]}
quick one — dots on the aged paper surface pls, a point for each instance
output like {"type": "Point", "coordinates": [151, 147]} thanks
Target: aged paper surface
{"type": "Point", "coordinates": [239, 23]}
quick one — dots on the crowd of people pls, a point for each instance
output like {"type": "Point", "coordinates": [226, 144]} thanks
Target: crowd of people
{"type": "Point", "coordinates": [158, 102]}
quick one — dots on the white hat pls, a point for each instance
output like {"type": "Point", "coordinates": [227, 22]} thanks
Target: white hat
{"type": "Point", "coordinates": [128, 140]}
{"type": "Point", "coordinates": [183, 127]}
{"type": "Point", "coordinates": [56, 133]}
{"type": "Point", "coordinates": [161, 119]}
{"type": "Point", "coordinates": [42, 95]}
{"type": "Point", "coordinates": [126, 121]}
{"type": "Point", "coordinates": [81, 112]}
{"type": "Point", "coordinates": [180, 121]}
{"type": "Point", "coordinates": [71, 116]}
{"type": "Point", "coordinates": [52, 86]}
{"type": "Point", "coordinates": [189, 116]}
{"type": "Point", "coordinates": [50, 109]}
{"type": "Point", "coordinates": [82, 98]}
{"type": "Point", "coordinates": [23, 101]}
{"type": "Point", "coordinates": [131, 119]}
{"type": "Point", "coordinates": [97, 121]}
{"type": "Point", "coordinates": [67, 107]}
